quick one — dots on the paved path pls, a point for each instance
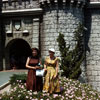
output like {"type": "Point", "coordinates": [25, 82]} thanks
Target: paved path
{"type": "Point", "coordinates": [5, 76]}
{"type": "Point", "coordinates": [6, 89]}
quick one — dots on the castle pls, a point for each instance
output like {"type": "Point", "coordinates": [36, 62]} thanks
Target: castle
{"type": "Point", "coordinates": [25, 24]}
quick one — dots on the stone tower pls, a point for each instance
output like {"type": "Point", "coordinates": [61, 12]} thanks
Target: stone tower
{"type": "Point", "coordinates": [59, 16]}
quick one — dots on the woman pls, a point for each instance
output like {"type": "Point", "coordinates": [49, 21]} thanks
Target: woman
{"type": "Point", "coordinates": [33, 82]}
{"type": "Point", "coordinates": [51, 83]}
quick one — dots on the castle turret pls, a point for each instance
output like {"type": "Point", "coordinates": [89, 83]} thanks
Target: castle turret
{"type": "Point", "coordinates": [60, 16]}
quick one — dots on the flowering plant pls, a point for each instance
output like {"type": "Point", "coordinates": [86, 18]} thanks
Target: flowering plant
{"type": "Point", "coordinates": [72, 90]}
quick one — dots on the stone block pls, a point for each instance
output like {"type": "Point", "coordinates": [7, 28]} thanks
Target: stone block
{"type": "Point", "coordinates": [89, 73]}
{"type": "Point", "coordinates": [94, 73]}
{"type": "Point", "coordinates": [91, 78]}
{"type": "Point", "coordinates": [35, 31]}
{"type": "Point", "coordinates": [96, 79]}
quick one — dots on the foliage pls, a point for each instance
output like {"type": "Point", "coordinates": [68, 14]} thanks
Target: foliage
{"type": "Point", "coordinates": [42, 62]}
{"type": "Point", "coordinates": [15, 77]}
{"type": "Point", "coordinates": [72, 90]}
{"type": "Point", "coordinates": [72, 59]}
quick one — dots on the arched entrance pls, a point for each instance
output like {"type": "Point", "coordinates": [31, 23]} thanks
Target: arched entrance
{"type": "Point", "coordinates": [17, 52]}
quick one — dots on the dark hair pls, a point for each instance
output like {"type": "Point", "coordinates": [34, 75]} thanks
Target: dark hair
{"type": "Point", "coordinates": [38, 53]}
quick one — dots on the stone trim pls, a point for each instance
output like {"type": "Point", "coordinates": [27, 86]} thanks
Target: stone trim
{"type": "Point", "coordinates": [94, 5]}
{"type": "Point", "coordinates": [36, 20]}
{"type": "Point", "coordinates": [94, 0]}
{"type": "Point", "coordinates": [22, 11]}
{"type": "Point", "coordinates": [4, 0]}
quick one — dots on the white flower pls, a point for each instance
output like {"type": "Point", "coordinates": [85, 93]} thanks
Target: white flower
{"type": "Point", "coordinates": [55, 95]}
{"type": "Point", "coordinates": [27, 97]}
{"type": "Point", "coordinates": [11, 97]}
{"type": "Point", "coordinates": [35, 92]}
{"type": "Point", "coordinates": [19, 95]}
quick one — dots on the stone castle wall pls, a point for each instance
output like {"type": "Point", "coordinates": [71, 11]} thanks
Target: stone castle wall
{"type": "Point", "coordinates": [25, 12]}
{"type": "Point", "coordinates": [93, 47]}
{"type": "Point", "coordinates": [31, 25]}
{"type": "Point", "coordinates": [60, 19]}
{"type": "Point", "coordinates": [19, 4]}
{"type": "Point", "coordinates": [64, 20]}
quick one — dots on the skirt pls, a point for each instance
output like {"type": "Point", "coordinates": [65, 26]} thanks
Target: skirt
{"type": "Point", "coordinates": [34, 83]}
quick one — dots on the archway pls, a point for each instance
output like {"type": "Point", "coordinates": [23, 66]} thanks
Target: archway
{"type": "Point", "coordinates": [18, 51]}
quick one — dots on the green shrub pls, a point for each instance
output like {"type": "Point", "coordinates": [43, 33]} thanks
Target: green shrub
{"type": "Point", "coordinates": [42, 62]}
{"type": "Point", "coordinates": [15, 78]}
{"type": "Point", "coordinates": [72, 90]}
{"type": "Point", "coordinates": [72, 59]}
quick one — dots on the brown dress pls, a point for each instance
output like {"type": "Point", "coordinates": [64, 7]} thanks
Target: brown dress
{"type": "Point", "coordinates": [33, 82]}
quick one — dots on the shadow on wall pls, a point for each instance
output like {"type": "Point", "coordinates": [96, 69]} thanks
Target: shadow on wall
{"type": "Point", "coordinates": [88, 21]}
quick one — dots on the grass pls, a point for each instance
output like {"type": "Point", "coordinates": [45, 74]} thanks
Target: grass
{"type": "Point", "coordinates": [72, 90]}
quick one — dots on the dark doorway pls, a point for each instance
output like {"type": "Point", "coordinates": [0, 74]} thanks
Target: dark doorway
{"type": "Point", "coordinates": [18, 53]}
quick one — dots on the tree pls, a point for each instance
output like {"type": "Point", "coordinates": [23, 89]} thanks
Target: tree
{"type": "Point", "coordinates": [72, 59]}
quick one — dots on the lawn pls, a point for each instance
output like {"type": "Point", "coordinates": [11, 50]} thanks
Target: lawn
{"type": "Point", "coordinates": [72, 90]}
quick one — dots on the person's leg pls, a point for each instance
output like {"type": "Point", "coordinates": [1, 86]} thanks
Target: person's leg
{"type": "Point", "coordinates": [39, 83]}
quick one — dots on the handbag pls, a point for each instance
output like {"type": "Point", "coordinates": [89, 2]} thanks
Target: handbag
{"type": "Point", "coordinates": [40, 72]}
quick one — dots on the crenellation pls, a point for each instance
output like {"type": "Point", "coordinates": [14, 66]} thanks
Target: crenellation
{"type": "Point", "coordinates": [79, 3]}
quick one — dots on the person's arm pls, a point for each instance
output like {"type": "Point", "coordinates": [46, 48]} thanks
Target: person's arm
{"type": "Point", "coordinates": [45, 65]}
{"type": "Point", "coordinates": [57, 66]}
{"type": "Point", "coordinates": [27, 64]}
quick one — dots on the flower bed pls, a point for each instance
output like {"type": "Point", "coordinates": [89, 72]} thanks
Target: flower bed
{"type": "Point", "coordinates": [72, 90]}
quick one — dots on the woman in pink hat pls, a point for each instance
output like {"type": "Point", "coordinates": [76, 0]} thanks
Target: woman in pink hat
{"type": "Point", "coordinates": [51, 82]}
